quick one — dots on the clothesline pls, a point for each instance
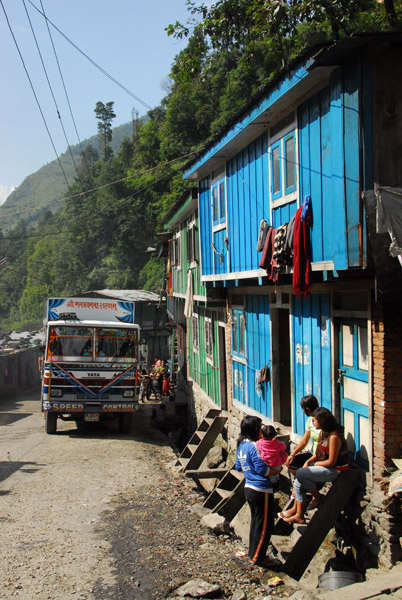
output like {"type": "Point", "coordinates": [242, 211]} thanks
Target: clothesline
{"type": "Point", "coordinates": [286, 244]}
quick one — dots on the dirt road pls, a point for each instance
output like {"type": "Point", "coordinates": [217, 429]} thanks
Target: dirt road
{"type": "Point", "coordinates": [105, 516]}
{"type": "Point", "coordinates": [57, 492]}
{"type": "Point", "coordinates": [101, 515]}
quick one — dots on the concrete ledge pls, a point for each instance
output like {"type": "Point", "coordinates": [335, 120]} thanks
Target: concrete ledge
{"type": "Point", "coordinates": [388, 584]}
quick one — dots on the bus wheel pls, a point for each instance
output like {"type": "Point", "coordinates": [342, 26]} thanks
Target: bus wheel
{"type": "Point", "coordinates": [125, 423]}
{"type": "Point", "coordinates": [50, 422]}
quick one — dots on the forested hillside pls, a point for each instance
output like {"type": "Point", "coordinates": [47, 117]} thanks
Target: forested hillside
{"type": "Point", "coordinates": [115, 205]}
{"type": "Point", "coordinates": [47, 187]}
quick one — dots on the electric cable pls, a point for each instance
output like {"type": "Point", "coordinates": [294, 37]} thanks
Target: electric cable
{"type": "Point", "coordinates": [50, 88]}
{"type": "Point", "coordinates": [65, 91]}
{"type": "Point", "coordinates": [138, 174]}
{"type": "Point", "coordinates": [92, 61]}
{"type": "Point", "coordinates": [78, 221]}
{"type": "Point", "coordinates": [33, 91]}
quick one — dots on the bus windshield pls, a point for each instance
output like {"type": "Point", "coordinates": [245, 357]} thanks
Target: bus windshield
{"type": "Point", "coordinates": [72, 344]}
{"type": "Point", "coordinates": [116, 345]}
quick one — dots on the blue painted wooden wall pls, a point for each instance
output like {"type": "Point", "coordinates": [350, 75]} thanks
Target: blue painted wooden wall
{"type": "Point", "coordinates": [205, 227]}
{"type": "Point", "coordinates": [248, 203]}
{"type": "Point", "coordinates": [311, 353]}
{"type": "Point", "coordinates": [258, 351]}
{"type": "Point", "coordinates": [258, 355]}
{"type": "Point", "coordinates": [329, 171]}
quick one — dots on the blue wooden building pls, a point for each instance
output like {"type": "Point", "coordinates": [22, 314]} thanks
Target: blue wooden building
{"type": "Point", "coordinates": [320, 134]}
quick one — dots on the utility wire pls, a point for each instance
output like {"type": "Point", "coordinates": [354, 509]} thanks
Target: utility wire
{"type": "Point", "coordinates": [33, 91]}
{"type": "Point", "coordinates": [92, 61]}
{"type": "Point", "coordinates": [78, 221]}
{"type": "Point", "coordinates": [50, 87]}
{"type": "Point", "coordinates": [65, 91]}
{"type": "Point", "coordinates": [105, 185]}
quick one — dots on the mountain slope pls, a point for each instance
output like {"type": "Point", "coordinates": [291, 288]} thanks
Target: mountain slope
{"type": "Point", "coordinates": [46, 187]}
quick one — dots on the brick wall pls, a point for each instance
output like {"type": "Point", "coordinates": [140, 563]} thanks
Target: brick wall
{"type": "Point", "coordinates": [387, 384]}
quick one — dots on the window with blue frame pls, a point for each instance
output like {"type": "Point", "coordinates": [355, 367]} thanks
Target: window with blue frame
{"type": "Point", "coordinates": [219, 202]}
{"type": "Point", "coordinates": [238, 333]}
{"type": "Point", "coordinates": [282, 162]}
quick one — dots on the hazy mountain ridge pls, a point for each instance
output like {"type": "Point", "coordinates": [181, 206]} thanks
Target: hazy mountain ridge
{"type": "Point", "coordinates": [46, 187]}
{"type": "Point", "coordinates": [5, 191]}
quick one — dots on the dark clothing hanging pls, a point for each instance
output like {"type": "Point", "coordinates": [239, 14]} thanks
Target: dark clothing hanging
{"type": "Point", "coordinates": [302, 253]}
{"type": "Point", "coordinates": [289, 239]}
{"type": "Point", "coordinates": [264, 374]}
{"type": "Point", "coordinates": [266, 256]}
{"type": "Point", "coordinates": [264, 227]}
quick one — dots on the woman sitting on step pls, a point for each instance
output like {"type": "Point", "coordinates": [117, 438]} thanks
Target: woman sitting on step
{"type": "Point", "coordinates": [298, 456]}
{"type": "Point", "coordinates": [330, 457]}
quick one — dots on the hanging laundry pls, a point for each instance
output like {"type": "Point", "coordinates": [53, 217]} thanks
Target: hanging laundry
{"type": "Point", "coordinates": [279, 255]}
{"type": "Point", "coordinates": [188, 303]}
{"type": "Point", "coordinates": [305, 207]}
{"type": "Point", "coordinates": [266, 256]}
{"type": "Point", "coordinates": [258, 383]}
{"type": "Point", "coordinates": [289, 240]}
{"type": "Point", "coordinates": [265, 374]}
{"type": "Point", "coordinates": [302, 253]}
{"type": "Point", "coordinates": [262, 235]}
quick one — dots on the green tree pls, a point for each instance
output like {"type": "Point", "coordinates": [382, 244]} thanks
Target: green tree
{"type": "Point", "coordinates": [105, 115]}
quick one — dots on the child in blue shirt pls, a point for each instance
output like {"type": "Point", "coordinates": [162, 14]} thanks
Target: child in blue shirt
{"type": "Point", "coordinates": [258, 490]}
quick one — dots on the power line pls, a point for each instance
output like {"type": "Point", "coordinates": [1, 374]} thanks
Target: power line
{"type": "Point", "coordinates": [50, 87]}
{"type": "Point", "coordinates": [92, 61]}
{"type": "Point", "coordinates": [33, 91]}
{"type": "Point", "coordinates": [105, 185]}
{"type": "Point", "coordinates": [65, 91]}
{"type": "Point", "coordinates": [84, 220]}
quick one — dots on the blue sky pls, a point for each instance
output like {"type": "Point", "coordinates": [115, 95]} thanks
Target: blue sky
{"type": "Point", "coordinates": [125, 37]}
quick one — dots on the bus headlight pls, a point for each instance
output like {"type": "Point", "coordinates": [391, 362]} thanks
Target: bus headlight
{"type": "Point", "coordinates": [128, 394]}
{"type": "Point", "coordinates": [55, 393]}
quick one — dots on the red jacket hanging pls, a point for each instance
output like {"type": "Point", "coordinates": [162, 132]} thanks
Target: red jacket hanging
{"type": "Point", "coordinates": [302, 254]}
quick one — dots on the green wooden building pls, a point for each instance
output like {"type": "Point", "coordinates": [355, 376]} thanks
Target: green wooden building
{"type": "Point", "coordinates": [199, 340]}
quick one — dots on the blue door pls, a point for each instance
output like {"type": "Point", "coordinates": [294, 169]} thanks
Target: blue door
{"type": "Point", "coordinates": [239, 382]}
{"type": "Point", "coordinates": [354, 388]}
{"type": "Point", "coordinates": [239, 361]}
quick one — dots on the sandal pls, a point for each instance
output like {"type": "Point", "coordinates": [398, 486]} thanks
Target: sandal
{"type": "Point", "coordinates": [295, 519]}
{"type": "Point", "coordinates": [284, 515]}
{"type": "Point", "coordinates": [268, 563]}
{"type": "Point", "coordinates": [314, 504]}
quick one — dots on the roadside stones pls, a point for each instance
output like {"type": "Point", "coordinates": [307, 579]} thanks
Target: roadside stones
{"type": "Point", "coordinates": [200, 510]}
{"type": "Point", "coordinates": [239, 595]}
{"type": "Point", "coordinates": [216, 523]}
{"type": "Point", "coordinates": [198, 588]}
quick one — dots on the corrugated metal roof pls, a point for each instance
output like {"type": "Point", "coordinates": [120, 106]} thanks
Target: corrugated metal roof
{"type": "Point", "coordinates": [130, 295]}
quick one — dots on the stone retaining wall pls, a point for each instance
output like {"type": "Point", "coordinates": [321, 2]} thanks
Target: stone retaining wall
{"type": "Point", "coordinates": [19, 371]}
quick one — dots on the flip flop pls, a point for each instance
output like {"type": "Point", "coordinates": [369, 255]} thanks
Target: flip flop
{"type": "Point", "coordinates": [282, 515]}
{"type": "Point", "coordinates": [268, 563]}
{"type": "Point", "coordinates": [313, 504]}
{"type": "Point", "coordinates": [293, 519]}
